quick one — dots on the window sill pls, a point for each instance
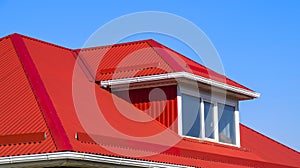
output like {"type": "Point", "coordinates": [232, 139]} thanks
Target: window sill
{"type": "Point", "coordinates": [208, 141]}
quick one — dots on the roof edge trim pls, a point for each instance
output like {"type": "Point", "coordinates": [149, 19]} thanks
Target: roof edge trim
{"type": "Point", "coordinates": [184, 75]}
{"type": "Point", "coordinates": [42, 41]}
{"type": "Point", "coordinates": [277, 142]}
{"type": "Point", "coordinates": [51, 118]}
{"type": "Point", "coordinates": [76, 156]}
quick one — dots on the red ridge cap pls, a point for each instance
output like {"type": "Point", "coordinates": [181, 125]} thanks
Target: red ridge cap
{"type": "Point", "coordinates": [112, 45]}
{"type": "Point", "coordinates": [5, 37]}
{"type": "Point", "coordinates": [169, 60]}
{"type": "Point", "coordinates": [44, 42]}
{"type": "Point", "coordinates": [50, 115]}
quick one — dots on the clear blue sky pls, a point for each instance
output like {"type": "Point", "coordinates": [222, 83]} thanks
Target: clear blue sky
{"type": "Point", "coordinates": [258, 42]}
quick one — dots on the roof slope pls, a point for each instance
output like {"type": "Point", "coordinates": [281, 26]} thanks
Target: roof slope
{"type": "Point", "coordinates": [143, 58]}
{"type": "Point", "coordinates": [55, 112]}
{"type": "Point", "coordinates": [22, 125]}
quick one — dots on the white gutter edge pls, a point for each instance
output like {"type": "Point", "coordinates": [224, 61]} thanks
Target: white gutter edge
{"type": "Point", "coordinates": [82, 157]}
{"type": "Point", "coordinates": [175, 75]}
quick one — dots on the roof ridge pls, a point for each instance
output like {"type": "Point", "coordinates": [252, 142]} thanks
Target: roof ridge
{"type": "Point", "coordinates": [246, 127]}
{"type": "Point", "coordinates": [48, 111]}
{"type": "Point", "coordinates": [41, 41]}
{"type": "Point", "coordinates": [182, 55]}
{"type": "Point", "coordinates": [112, 45]}
{"type": "Point", "coordinates": [5, 37]}
{"type": "Point", "coordinates": [207, 68]}
{"type": "Point", "coordinates": [186, 57]}
{"type": "Point", "coordinates": [152, 44]}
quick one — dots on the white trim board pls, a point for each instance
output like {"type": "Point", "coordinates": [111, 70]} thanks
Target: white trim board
{"type": "Point", "coordinates": [177, 75]}
{"type": "Point", "coordinates": [78, 159]}
{"type": "Point", "coordinates": [214, 100]}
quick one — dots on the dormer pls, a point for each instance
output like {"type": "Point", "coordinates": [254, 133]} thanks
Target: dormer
{"type": "Point", "coordinates": [183, 95]}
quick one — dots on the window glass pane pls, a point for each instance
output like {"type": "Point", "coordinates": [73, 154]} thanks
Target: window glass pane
{"type": "Point", "coordinates": [190, 116]}
{"type": "Point", "coordinates": [209, 120]}
{"type": "Point", "coordinates": [226, 124]}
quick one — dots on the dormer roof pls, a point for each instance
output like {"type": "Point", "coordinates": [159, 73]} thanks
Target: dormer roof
{"type": "Point", "coordinates": [133, 60]}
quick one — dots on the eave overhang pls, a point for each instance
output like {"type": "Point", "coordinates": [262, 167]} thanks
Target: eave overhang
{"type": "Point", "coordinates": [246, 94]}
{"type": "Point", "coordinates": [77, 159]}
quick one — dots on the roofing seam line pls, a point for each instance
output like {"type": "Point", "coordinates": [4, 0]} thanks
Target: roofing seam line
{"type": "Point", "coordinates": [84, 66]}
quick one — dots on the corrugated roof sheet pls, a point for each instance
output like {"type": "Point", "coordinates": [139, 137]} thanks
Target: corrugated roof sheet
{"type": "Point", "coordinates": [123, 60]}
{"type": "Point", "coordinates": [55, 66]}
{"type": "Point", "coordinates": [193, 67]}
{"type": "Point", "coordinates": [146, 57]}
{"type": "Point", "coordinates": [19, 110]}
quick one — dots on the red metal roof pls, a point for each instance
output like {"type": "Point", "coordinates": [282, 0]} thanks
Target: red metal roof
{"type": "Point", "coordinates": [123, 61]}
{"type": "Point", "coordinates": [19, 110]}
{"type": "Point", "coordinates": [24, 113]}
{"type": "Point", "coordinates": [143, 58]}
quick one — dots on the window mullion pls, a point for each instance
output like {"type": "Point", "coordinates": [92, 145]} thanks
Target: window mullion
{"type": "Point", "coordinates": [216, 122]}
{"type": "Point", "coordinates": [237, 127]}
{"type": "Point", "coordinates": [179, 108]}
{"type": "Point", "coordinates": [202, 119]}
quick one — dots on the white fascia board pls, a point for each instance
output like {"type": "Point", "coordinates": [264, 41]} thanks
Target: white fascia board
{"type": "Point", "coordinates": [75, 156]}
{"type": "Point", "coordinates": [177, 75]}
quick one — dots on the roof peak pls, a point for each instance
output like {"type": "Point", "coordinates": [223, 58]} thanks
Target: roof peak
{"type": "Point", "coordinates": [34, 39]}
{"type": "Point", "coordinates": [78, 49]}
{"type": "Point", "coordinates": [117, 44]}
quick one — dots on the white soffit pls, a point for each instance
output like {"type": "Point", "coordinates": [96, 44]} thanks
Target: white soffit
{"type": "Point", "coordinates": [177, 75]}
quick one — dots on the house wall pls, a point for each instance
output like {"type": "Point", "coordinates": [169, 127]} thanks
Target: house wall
{"type": "Point", "coordinates": [159, 102]}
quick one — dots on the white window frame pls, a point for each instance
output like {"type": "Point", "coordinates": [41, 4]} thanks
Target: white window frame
{"type": "Point", "coordinates": [205, 97]}
{"type": "Point", "coordinates": [215, 118]}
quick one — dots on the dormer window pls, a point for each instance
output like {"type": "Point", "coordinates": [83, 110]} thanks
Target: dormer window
{"type": "Point", "coordinates": [226, 124]}
{"type": "Point", "coordinates": [207, 118]}
{"type": "Point", "coordinates": [190, 116]}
